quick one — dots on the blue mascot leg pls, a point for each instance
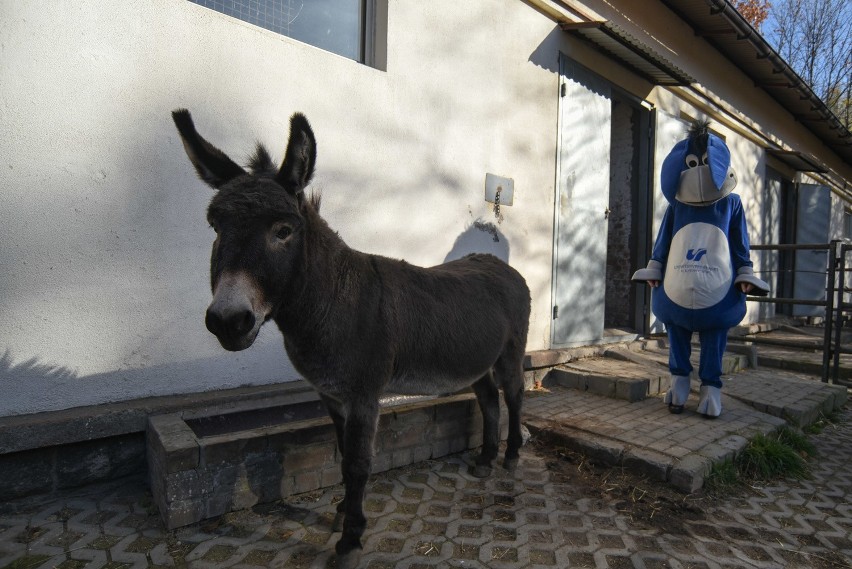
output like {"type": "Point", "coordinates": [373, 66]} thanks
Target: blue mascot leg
{"type": "Point", "coordinates": [680, 346]}
{"type": "Point", "coordinates": [713, 344]}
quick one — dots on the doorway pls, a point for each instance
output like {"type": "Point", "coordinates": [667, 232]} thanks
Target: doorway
{"type": "Point", "coordinates": [601, 210]}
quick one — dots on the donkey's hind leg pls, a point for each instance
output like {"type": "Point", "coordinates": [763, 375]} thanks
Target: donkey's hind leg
{"type": "Point", "coordinates": [509, 373]}
{"type": "Point", "coordinates": [488, 397]}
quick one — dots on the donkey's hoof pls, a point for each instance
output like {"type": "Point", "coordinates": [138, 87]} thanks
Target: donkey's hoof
{"type": "Point", "coordinates": [481, 470]}
{"type": "Point", "coordinates": [337, 523]}
{"type": "Point", "coordinates": [511, 464]}
{"type": "Point", "coordinates": [349, 560]}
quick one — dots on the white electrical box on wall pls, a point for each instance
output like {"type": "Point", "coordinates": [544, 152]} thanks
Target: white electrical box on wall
{"type": "Point", "coordinates": [497, 184]}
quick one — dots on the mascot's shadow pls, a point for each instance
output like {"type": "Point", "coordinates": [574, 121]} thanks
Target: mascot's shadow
{"type": "Point", "coordinates": [480, 237]}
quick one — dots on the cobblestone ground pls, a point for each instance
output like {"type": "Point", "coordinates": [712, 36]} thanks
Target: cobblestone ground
{"type": "Point", "coordinates": [553, 513]}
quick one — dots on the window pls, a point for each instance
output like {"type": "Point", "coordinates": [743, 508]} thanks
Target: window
{"type": "Point", "coordinates": [847, 224]}
{"type": "Point", "coordinates": [344, 27]}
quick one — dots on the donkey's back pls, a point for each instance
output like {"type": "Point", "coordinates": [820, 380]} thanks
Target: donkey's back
{"type": "Point", "coordinates": [450, 324]}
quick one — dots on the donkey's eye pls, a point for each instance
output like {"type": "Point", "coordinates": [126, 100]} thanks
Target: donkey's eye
{"type": "Point", "coordinates": [705, 159]}
{"type": "Point", "coordinates": [692, 161]}
{"type": "Point", "coordinates": [283, 232]}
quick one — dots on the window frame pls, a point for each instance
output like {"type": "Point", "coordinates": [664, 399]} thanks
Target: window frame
{"type": "Point", "coordinates": [372, 31]}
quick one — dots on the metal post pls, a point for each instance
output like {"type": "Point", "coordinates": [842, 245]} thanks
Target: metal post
{"type": "Point", "coordinates": [829, 309]}
{"type": "Point", "coordinates": [838, 320]}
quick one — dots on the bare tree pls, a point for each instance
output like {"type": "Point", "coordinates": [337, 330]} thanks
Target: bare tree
{"type": "Point", "coordinates": [815, 38]}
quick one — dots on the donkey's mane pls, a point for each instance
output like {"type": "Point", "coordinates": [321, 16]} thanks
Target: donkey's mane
{"type": "Point", "coordinates": [260, 163]}
{"type": "Point", "coordinates": [315, 199]}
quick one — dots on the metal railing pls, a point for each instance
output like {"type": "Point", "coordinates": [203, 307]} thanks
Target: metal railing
{"type": "Point", "coordinates": [833, 302]}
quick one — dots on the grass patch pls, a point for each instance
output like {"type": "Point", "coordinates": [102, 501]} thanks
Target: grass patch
{"type": "Point", "coordinates": [770, 456]}
{"type": "Point", "coordinates": [722, 475]}
{"type": "Point", "coordinates": [766, 457]}
{"type": "Point", "coordinates": [822, 423]}
{"type": "Point", "coordinates": [798, 441]}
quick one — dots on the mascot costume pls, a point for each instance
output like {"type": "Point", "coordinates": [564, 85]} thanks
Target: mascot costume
{"type": "Point", "coordinates": [701, 259]}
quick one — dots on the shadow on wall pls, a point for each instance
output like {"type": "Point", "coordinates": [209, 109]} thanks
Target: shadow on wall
{"type": "Point", "coordinates": [480, 237]}
{"type": "Point", "coordinates": [31, 370]}
{"type": "Point", "coordinates": [546, 55]}
{"type": "Point", "coordinates": [34, 385]}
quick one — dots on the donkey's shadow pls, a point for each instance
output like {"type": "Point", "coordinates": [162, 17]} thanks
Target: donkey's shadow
{"type": "Point", "coordinates": [480, 237]}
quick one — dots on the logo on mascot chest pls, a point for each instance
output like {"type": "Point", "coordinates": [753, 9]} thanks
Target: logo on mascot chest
{"type": "Point", "coordinates": [699, 272]}
{"type": "Point", "coordinates": [695, 254]}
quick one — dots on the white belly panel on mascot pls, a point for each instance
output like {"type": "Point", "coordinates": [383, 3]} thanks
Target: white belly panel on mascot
{"type": "Point", "coordinates": [698, 269]}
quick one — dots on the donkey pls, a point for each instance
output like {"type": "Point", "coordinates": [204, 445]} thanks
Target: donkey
{"type": "Point", "coordinates": [357, 326]}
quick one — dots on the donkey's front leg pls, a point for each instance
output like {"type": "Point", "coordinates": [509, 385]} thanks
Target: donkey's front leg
{"type": "Point", "coordinates": [360, 431]}
{"type": "Point", "coordinates": [337, 414]}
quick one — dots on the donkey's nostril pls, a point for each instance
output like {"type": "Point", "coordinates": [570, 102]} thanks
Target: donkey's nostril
{"type": "Point", "coordinates": [229, 323]}
{"type": "Point", "coordinates": [242, 322]}
{"type": "Point", "coordinates": [213, 321]}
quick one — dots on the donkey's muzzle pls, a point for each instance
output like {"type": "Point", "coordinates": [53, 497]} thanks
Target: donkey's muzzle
{"type": "Point", "coordinates": [233, 325]}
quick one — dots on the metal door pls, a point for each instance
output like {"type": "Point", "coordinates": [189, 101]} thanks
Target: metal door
{"type": "Point", "coordinates": [579, 272]}
{"type": "Point", "coordinates": [813, 216]}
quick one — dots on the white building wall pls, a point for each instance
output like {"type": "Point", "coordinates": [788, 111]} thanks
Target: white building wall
{"type": "Point", "coordinates": [103, 240]}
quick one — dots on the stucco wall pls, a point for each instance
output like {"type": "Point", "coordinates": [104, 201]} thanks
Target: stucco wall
{"type": "Point", "coordinates": [102, 223]}
{"type": "Point", "coordinates": [103, 239]}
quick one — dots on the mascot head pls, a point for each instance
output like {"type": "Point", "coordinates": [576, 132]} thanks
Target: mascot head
{"type": "Point", "coordinates": [698, 170]}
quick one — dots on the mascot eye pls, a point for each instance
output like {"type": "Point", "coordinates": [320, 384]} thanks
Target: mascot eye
{"type": "Point", "coordinates": [692, 161]}
{"type": "Point", "coordinates": [705, 159]}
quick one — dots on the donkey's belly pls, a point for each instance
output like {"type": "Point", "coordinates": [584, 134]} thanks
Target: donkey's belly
{"type": "Point", "coordinates": [429, 383]}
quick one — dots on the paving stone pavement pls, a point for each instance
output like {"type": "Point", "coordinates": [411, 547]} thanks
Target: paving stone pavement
{"type": "Point", "coordinates": [434, 514]}
{"type": "Point", "coordinates": [680, 449]}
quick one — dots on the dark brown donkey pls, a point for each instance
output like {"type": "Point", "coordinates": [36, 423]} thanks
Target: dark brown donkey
{"type": "Point", "coordinates": [357, 326]}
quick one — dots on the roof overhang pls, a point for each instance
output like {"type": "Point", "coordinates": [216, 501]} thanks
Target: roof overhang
{"type": "Point", "coordinates": [630, 52]}
{"type": "Point", "coordinates": [798, 160]}
{"type": "Point", "coordinates": [566, 11]}
{"type": "Point", "coordinates": [719, 23]}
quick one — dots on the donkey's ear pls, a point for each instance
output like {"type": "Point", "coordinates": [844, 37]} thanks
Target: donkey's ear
{"type": "Point", "coordinates": [301, 156]}
{"type": "Point", "coordinates": [213, 165]}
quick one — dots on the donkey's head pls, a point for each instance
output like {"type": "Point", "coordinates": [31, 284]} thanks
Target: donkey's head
{"type": "Point", "coordinates": [259, 223]}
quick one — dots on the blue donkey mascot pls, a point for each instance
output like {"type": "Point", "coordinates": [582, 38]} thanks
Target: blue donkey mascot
{"type": "Point", "coordinates": [701, 259]}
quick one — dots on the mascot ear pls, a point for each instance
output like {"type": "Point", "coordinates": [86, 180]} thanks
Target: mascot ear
{"type": "Point", "coordinates": [673, 165]}
{"type": "Point", "coordinates": [719, 159]}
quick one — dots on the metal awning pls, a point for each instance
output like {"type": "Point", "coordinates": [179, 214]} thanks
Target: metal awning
{"type": "Point", "coordinates": [631, 52]}
{"type": "Point", "coordinates": [798, 160]}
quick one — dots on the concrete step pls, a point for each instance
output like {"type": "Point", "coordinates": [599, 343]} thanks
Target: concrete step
{"type": "Point", "coordinates": [794, 348]}
{"type": "Point", "coordinates": [628, 373]}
